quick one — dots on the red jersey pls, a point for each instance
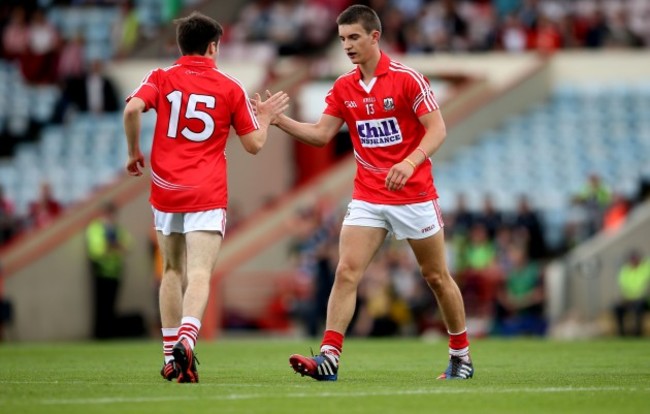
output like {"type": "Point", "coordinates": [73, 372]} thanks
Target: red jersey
{"type": "Point", "coordinates": [383, 118]}
{"type": "Point", "coordinates": [195, 104]}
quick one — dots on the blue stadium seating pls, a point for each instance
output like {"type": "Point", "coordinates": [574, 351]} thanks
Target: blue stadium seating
{"type": "Point", "coordinates": [548, 152]}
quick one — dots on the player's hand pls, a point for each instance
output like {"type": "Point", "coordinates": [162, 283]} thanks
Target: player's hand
{"type": "Point", "coordinates": [135, 164]}
{"type": "Point", "coordinates": [274, 105]}
{"type": "Point", "coordinates": [399, 175]}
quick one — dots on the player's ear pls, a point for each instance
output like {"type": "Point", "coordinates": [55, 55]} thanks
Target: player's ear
{"type": "Point", "coordinates": [213, 48]}
{"type": "Point", "coordinates": [376, 34]}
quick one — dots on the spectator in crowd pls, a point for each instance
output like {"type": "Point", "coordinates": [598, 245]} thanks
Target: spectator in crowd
{"type": "Point", "coordinates": [45, 209]}
{"type": "Point", "coordinates": [107, 243]}
{"type": "Point", "coordinates": [290, 27]}
{"type": "Point", "coordinates": [597, 30]}
{"type": "Point", "coordinates": [8, 222]}
{"type": "Point", "coordinates": [514, 37]}
{"type": "Point", "coordinates": [490, 217]}
{"type": "Point", "coordinates": [547, 38]}
{"type": "Point", "coordinates": [505, 238]}
{"type": "Point", "coordinates": [528, 13]}
{"type": "Point", "coordinates": [455, 27]}
{"type": "Point", "coordinates": [41, 60]}
{"type": "Point", "coordinates": [314, 252]}
{"type": "Point", "coordinates": [316, 28]}
{"type": "Point", "coordinates": [464, 219]}
{"type": "Point", "coordinates": [478, 271]}
{"type": "Point", "coordinates": [15, 36]}
{"type": "Point", "coordinates": [93, 92]}
{"type": "Point", "coordinates": [634, 288]}
{"type": "Point", "coordinates": [380, 311]}
{"type": "Point", "coordinates": [577, 227]}
{"type": "Point", "coordinates": [527, 220]}
{"type": "Point", "coordinates": [412, 307]}
{"type": "Point", "coordinates": [72, 63]}
{"type": "Point", "coordinates": [616, 213]}
{"type": "Point", "coordinates": [125, 30]}
{"type": "Point", "coordinates": [277, 315]}
{"type": "Point", "coordinates": [520, 298]}
{"type": "Point", "coordinates": [254, 21]}
{"type": "Point", "coordinates": [284, 28]}
{"type": "Point", "coordinates": [416, 26]}
{"type": "Point", "coordinates": [596, 197]}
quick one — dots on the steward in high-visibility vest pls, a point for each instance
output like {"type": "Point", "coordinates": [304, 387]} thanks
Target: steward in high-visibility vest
{"type": "Point", "coordinates": [634, 286]}
{"type": "Point", "coordinates": [634, 279]}
{"type": "Point", "coordinates": [107, 243]}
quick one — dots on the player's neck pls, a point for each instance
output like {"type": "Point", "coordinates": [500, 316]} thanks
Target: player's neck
{"type": "Point", "coordinates": [368, 68]}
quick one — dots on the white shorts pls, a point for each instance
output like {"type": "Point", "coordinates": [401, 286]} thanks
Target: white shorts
{"type": "Point", "coordinates": [209, 220]}
{"type": "Point", "coordinates": [405, 221]}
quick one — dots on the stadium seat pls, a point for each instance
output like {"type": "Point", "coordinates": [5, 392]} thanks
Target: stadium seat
{"type": "Point", "coordinates": [548, 152]}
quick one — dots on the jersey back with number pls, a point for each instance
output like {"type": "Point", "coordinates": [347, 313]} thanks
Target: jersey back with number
{"type": "Point", "coordinates": [195, 104]}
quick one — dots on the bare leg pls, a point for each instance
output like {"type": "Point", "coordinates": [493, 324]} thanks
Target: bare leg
{"type": "Point", "coordinates": [172, 248]}
{"type": "Point", "coordinates": [357, 247]}
{"type": "Point", "coordinates": [202, 252]}
{"type": "Point", "coordinates": [430, 253]}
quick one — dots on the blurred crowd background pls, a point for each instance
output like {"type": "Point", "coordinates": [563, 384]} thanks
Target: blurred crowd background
{"type": "Point", "coordinates": [57, 102]}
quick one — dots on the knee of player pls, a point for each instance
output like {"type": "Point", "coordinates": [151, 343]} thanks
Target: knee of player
{"type": "Point", "coordinates": [435, 277]}
{"type": "Point", "coordinates": [172, 269]}
{"type": "Point", "coordinates": [347, 274]}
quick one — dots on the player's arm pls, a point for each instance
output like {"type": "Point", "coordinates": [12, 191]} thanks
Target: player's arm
{"type": "Point", "coordinates": [317, 134]}
{"type": "Point", "coordinates": [132, 121]}
{"type": "Point", "coordinates": [434, 136]}
{"type": "Point", "coordinates": [266, 112]}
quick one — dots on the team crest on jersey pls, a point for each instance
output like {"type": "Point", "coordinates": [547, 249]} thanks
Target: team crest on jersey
{"type": "Point", "coordinates": [379, 132]}
{"type": "Point", "coordinates": [389, 104]}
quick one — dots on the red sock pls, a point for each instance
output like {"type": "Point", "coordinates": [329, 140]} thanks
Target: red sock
{"type": "Point", "coordinates": [189, 330]}
{"type": "Point", "coordinates": [170, 337]}
{"type": "Point", "coordinates": [332, 339]}
{"type": "Point", "coordinates": [458, 343]}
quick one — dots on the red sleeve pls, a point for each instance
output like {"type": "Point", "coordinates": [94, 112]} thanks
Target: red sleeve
{"type": "Point", "coordinates": [332, 107]}
{"type": "Point", "coordinates": [148, 90]}
{"type": "Point", "coordinates": [243, 116]}
{"type": "Point", "coordinates": [418, 91]}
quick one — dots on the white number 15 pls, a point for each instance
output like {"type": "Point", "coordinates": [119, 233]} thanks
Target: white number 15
{"type": "Point", "coordinates": [191, 112]}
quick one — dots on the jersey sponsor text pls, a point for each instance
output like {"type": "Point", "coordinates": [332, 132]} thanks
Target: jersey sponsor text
{"type": "Point", "coordinates": [379, 132]}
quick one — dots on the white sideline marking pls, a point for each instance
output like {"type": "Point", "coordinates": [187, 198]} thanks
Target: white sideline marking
{"type": "Point", "coordinates": [424, 391]}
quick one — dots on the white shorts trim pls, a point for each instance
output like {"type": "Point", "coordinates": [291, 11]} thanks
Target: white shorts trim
{"type": "Point", "coordinates": [209, 220]}
{"type": "Point", "coordinates": [406, 221]}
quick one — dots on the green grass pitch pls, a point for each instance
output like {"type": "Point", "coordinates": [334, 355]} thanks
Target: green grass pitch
{"type": "Point", "coordinates": [376, 376]}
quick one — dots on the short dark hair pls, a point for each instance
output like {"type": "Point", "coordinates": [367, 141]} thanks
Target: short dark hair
{"type": "Point", "coordinates": [195, 32]}
{"type": "Point", "coordinates": [360, 14]}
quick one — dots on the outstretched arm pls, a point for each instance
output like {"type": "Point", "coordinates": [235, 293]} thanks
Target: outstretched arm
{"type": "Point", "coordinates": [266, 112]}
{"type": "Point", "coordinates": [132, 115]}
{"type": "Point", "coordinates": [317, 134]}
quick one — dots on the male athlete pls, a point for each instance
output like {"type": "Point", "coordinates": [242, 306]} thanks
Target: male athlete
{"type": "Point", "coordinates": [395, 125]}
{"type": "Point", "coordinates": [196, 104]}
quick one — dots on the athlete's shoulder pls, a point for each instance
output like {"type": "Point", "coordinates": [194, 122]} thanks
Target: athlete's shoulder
{"type": "Point", "coordinates": [347, 77]}
{"type": "Point", "coordinates": [168, 70]}
{"type": "Point", "coordinates": [157, 73]}
{"type": "Point", "coordinates": [227, 79]}
{"type": "Point", "coordinates": [404, 72]}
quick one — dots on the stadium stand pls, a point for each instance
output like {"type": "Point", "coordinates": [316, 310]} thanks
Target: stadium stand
{"type": "Point", "coordinates": [548, 152]}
